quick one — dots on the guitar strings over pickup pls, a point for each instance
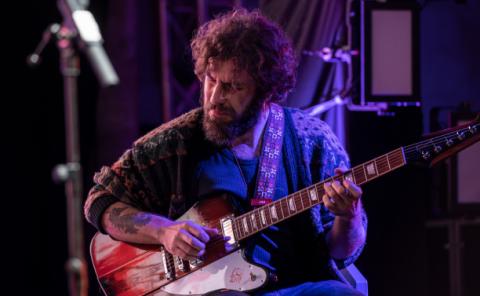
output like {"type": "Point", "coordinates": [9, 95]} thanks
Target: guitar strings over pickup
{"type": "Point", "coordinates": [182, 264]}
{"type": "Point", "coordinates": [227, 229]}
{"type": "Point", "coordinates": [195, 263]}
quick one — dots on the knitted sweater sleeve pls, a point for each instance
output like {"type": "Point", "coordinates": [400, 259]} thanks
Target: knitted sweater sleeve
{"type": "Point", "coordinates": [322, 153]}
{"type": "Point", "coordinates": [145, 176]}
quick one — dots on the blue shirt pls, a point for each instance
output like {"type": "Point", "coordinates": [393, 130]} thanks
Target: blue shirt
{"type": "Point", "coordinates": [274, 248]}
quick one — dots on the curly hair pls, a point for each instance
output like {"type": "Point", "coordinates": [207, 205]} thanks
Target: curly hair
{"type": "Point", "coordinates": [257, 45]}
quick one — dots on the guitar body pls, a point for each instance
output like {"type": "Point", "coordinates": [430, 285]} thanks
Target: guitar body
{"type": "Point", "coordinates": [133, 269]}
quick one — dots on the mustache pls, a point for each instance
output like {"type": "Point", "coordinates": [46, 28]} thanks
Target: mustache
{"type": "Point", "coordinates": [221, 108]}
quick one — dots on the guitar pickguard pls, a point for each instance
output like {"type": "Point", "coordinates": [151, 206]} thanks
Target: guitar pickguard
{"type": "Point", "coordinates": [231, 272]}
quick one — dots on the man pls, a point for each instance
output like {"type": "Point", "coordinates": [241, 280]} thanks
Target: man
{"type": "Point", "coordinates": [245, 64]}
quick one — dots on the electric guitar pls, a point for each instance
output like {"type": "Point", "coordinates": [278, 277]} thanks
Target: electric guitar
{"type": "Point", "coordinates": [126, 269]}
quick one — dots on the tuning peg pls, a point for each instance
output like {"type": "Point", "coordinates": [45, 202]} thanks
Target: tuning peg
{"type": "Point", "coordinates": [426, 155]}
{"type": "Point", "coordinates": [472, 129]}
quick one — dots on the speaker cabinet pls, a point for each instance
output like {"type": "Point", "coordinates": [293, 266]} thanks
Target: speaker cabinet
{"type": "Point", "coordinates": [464, 189]}
{"type": "Point", "coordinates": [389, 52]}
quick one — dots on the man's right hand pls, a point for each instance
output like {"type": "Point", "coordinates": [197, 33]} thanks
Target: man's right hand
{"type": "Point", "coordinates": [185, 239]}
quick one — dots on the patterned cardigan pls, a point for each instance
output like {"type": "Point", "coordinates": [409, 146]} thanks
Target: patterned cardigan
{"type": "Point", "coordinates": [153, 175]}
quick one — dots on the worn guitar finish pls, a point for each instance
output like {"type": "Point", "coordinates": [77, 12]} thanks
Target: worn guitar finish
{"type": "Point", "coordinates": [130, 269]}
{"type": "Point", "coordinates": [134, 269]}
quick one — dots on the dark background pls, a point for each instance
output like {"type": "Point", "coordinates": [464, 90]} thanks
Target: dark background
{"type": "Point", "coordinates": [398, 256]}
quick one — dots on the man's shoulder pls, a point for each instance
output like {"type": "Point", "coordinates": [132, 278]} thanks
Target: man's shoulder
{"type": "Point", "coordinates": [170, 137]}
{"type": "Point", "coordinates": [314, 133]}
{"type": "Point", "coordinates": [307, 125]}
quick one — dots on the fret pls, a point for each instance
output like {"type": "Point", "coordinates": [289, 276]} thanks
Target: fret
{"type": "Point", "coordinates": [254, 221]}
{"type": "Point", "coordinates": [339, 179]}
{"type": "Point", "coordinates": [305, 199]}
{"type": "Point", "coordinates": [313, 194]}
{"type": "Point", "coordinates": [262, 216]}
{"type": "Point", "coordinates": [287, 207]}
{"type": "Point", "coordinates": [320, 192]}
{"type": "Point", "coordinates": [291, 205]}
{"type": "Point", "coordinates": [392, 159]}
{"type": "Point", "coordinates": [283, 208]}
{"type": "Point", "coordinates": [371, 170]}
{"type": "Point", "coordinates": [239, 228]}
{"type": "Point", "coordinates": [250, 224]}
{"type": "Point", "coordinates": [301, 199]}
{"type": "Point", "coordinates": [308, 201]}
{"type": "Point", "coordinates": [364, 173]}
{"type": "Point", "coordinates": [245, 224]}
{"type": "Point", "coordinates": [349, 176]}
{"type": "Point", "coordinates": [268, 215]}
{"type": "Point", "coordinates": [388, 162]}
{"type": "Point", "coordinates": [396, 158]}
{"type": "Point", "coordinates": [273, 211]}
{"type": "Point", "coordinates": [360, 177]}
{"type": "Point", "coordinates": [244, 233]}
{"type": "Point", "coordinates": [258, 218]}
{"type": "Point", "coordinates": [332, 179]}
{"type": "Point", "coordinates": [242, 227]}
{"type": "Point", "coordinates": [290, 211]}
{"type": "Point", "coordinates": [236, 232]}
{"type": "Point", "coordinates": [381, 165]}
{"type": "Point", "coordinates": [298, 201]}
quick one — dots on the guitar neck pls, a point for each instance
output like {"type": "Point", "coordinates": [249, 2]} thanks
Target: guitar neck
{"type": "Point", "coordinates": [265, 216]}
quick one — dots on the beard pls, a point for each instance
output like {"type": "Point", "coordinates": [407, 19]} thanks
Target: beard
{"type": "Point", "coordinates": [222, 133]}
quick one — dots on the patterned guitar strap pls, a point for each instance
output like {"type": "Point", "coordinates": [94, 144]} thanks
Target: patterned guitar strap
{"type": "Point", "coordinates": [269, 158]}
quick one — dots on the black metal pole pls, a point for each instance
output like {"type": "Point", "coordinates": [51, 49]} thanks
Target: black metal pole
{"type": "Point", "coordinates": [71, 172]}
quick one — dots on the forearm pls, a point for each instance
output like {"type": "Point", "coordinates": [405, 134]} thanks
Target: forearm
{"type": "Point", "coordinates": [126, 223]}
{"type": "Point", "coordinates": [346, 236]}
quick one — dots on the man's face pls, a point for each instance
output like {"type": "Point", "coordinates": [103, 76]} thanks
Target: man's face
{"type": "Point", "coordinates": [228, 102]}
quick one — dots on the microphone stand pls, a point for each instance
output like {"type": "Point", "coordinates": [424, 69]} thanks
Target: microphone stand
{"type": "Point", "coordinates": [76, 28]}
{"type": "Point", "coordinates": [71, 172]}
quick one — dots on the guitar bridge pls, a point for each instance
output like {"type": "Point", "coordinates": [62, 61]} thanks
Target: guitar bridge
{"type": "Point", "coordinates": [168, 264]}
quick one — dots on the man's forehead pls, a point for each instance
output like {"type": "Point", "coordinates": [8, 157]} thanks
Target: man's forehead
{"type": "Point", "coordinates": [227, 67]}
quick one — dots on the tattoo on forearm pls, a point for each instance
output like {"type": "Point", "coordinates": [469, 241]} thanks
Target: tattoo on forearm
{"type": "Point", "coordinates": [129, 222]}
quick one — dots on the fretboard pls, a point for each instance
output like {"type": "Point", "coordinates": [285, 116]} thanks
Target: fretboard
{"type": "Point", "coordinates": [265, 216]}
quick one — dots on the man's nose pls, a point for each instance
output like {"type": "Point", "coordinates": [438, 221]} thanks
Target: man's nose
{"type": "Point", "coordinates": [218, 95]}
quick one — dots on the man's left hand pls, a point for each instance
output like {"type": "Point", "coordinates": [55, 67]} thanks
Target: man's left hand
{"type": "Point", "coordinates": [343, 199]}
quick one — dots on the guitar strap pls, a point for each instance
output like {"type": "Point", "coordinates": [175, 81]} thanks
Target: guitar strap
{"type": "Point", "coordinates": [269, 158]}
